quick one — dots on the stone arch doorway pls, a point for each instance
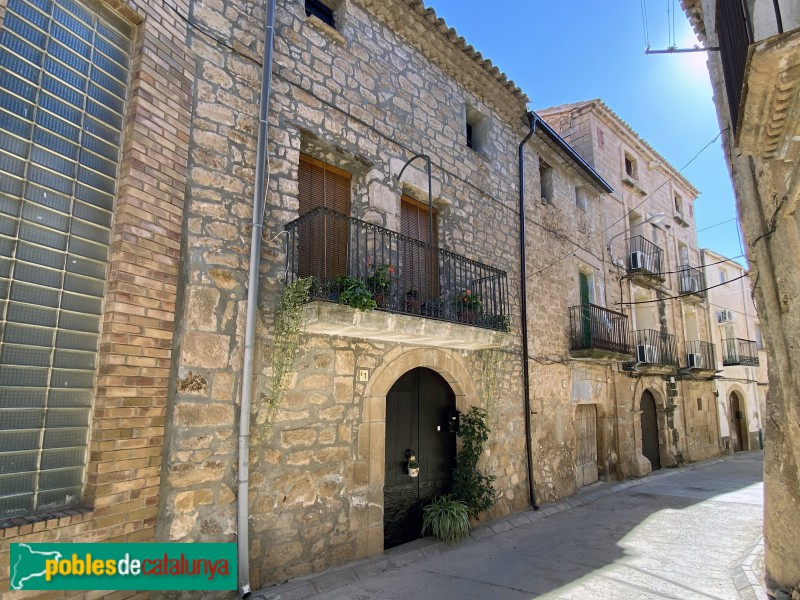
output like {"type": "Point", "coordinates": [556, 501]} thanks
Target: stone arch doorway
{"type": "Point", "coordinates": [650, 444]}
{"type": "Point", "coordinates": [736, 421]}
{"type": "Point", "coordinates": [418, 410]}
{"type": "Point", "coordinates": [448, 363]}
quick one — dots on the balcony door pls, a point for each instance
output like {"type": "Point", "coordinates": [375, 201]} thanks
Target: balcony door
{"type": "Point", "coordinates": [323, 236]}
{"type": "Point", "coordinates": [419, 268]}
{"type": "Point", "coordinates": [586, 316]}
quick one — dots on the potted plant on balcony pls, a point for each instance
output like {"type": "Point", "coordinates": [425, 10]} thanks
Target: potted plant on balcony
{"type": "Point", "coordinates": [379, 281]}
{"type": "Point", "coordinates": [467, 305]}
{"type": "Point", "coordinates": [354, 292]}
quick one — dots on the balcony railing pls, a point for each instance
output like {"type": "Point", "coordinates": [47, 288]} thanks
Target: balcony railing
{"type": "Point", "coordinates": [347, 257]}
{"type": "Point", "coordinates": [701, 355]}
{"type": "Point", "coordinates": [596, 328]}
{"type": "Point", "coordinates": [736, 351]}
{"type": "Point", "coordinates": [644, 257]}
{"type": "Point", "coordinates": [655, 348]}
{"type": "Point", "coordinates": [739, 24]}
{"type": "Point", "coordinates": [692, 281]}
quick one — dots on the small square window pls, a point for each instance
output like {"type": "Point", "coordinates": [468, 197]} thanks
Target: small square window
{"type": "Point", "coordinates": [320, 10]}
{"type": "Point", "coordinates": [477, 129]}
{"type": "Point", "coordinates": [631, 168]}
{"type": "Point", "coordinates": [723, 276]}
{"type": "Point", "coordinates": [699, 404]}
{"type": "Point", "coordinates": [546, 181]}
{"type": "Point", "coordinates": [581, 201]}
{"type": "Point", "coordinates": [678, 204]}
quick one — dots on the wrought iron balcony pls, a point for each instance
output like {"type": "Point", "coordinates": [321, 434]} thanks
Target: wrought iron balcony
{"type": "Point", "coordinates": [692, 281]}
{"type": "Point", "coordinates": [596, 332]}
{"type": "Point", "coordinates": [740, 24]}
{"type": "Point", "coordinates": [736, 351]}
{"type": "Point", "coordinates": [701, 356]}
{"type": "Point", "coordinates": [353, 262]}
{"type": "Point", "coordinates": [653, 347]}
{"type": "Point", "coordinates": [645, 258]}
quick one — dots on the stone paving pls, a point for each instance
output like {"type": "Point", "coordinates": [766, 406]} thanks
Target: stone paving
{"type": "Point", "coordinates": [686, 533]}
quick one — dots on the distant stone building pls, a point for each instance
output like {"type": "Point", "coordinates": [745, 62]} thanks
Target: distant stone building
{"type": "Point", "coordinates": [756, 86]}
{"type": "Point", "coordinates": [742, 364]}
{"type": "Point", "coordinates": [641, 357]}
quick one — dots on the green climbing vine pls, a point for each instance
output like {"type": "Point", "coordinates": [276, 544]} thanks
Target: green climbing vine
{"type": "Point", "coordinates": [288, 321]}
{"type": "Point", "coordinates": [470, 486]}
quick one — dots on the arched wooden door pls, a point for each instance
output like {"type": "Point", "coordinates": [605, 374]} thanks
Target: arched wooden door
{"type": "Point", "coordinates": [650, 447]}
{"type": "Point", "coordinates": [736, 422]}
{"type": "Point", "coordinates": [417, 416]}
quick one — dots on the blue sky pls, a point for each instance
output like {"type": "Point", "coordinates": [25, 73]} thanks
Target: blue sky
{"type": "Point", "coordinates": [560, 52]}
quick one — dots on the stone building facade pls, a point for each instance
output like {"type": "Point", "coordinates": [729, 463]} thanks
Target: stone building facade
{"type": "Point", "coordinates": [742, 382]}
{"type": "Point", "coordinates": [351, 102]}
{"type": "Point", "coordinates": [755, 82]}
{"type": "Point", "coordinates": [654, 399]}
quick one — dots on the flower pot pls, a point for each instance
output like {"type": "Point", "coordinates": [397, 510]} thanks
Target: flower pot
{"type": "Point", "coordinates": [413, 472]}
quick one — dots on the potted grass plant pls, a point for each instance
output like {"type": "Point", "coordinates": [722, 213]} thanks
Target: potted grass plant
{"type": "Point", "coordinates": [446, 518]}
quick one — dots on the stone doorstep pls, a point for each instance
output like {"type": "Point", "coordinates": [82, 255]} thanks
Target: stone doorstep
{"type": "Point", "coordinates": [744, 574]}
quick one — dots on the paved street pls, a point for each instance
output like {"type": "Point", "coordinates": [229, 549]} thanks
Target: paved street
{"type": "Point", "coordinates": [686, 533]}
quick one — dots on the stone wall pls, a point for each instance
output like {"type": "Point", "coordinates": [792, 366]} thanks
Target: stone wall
{"type": "Point", "coordinates": [363, 99]}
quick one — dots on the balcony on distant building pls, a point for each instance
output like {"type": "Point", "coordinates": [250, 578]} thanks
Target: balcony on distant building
{"type": "Point", "coordinates": [596, 332]}
{"type": "Point", "coordinates": [359, 264]}
{"type": "Point", "coordinates": [700, 360]}
{"type": "Point", "coordinates": [645, 261]}
{"type": "Point", "coordinates": [736, 351]}
{"type": "Point", "coordinates": [692, 283]}
{"type": "Point", "coordinates": [760, 49]}
{"type": "Point", "coordinates": [654, 351]}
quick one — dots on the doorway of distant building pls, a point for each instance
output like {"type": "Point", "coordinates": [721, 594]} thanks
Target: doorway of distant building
{"type": "Point", "coordinates": [650, 446]}
{"type": "Point", "coordinates": [736, 420]}
{"type": "Point", "coordinates": [585, 444]}
{"type": "Point", "coordinates": [418, 410]}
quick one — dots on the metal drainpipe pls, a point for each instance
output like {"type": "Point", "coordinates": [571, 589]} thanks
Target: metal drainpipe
{"type": "Point", "coordinates": [524, 309]}
{"type": "Point", "coordinates": [259, 194]}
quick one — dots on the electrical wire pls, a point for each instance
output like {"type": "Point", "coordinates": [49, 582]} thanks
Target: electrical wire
{"type": "Point", "coordinates": [718, 224]}
{"type": "Point", "coordinates": [625, 215]}
{"type": "Point", "coordinates": [711, 287]}
{"type": "Point", "coordinates": [644, 24]}
{"type": "Point", "coordinates": [683, 270]}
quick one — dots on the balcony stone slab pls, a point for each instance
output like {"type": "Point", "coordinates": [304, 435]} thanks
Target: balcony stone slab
{"type": "Point", "coordinates": [335, 319]}
{"type": "Point", "coordinates": [769, 124]}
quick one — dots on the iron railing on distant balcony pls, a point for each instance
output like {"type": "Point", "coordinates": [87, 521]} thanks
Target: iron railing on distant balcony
{"type": "Point", "coordinates": [401, 274]}
{"type": "Point", "coordinates": [692, 281]}
{"type": "Point", "coordinates": [736, 351]}
{"type": "Point", "coordinates": [644, 256]}
{"type": "Point", "coordinates": [740, 23]}
{"type": "Point", "coordinates": [654, 347]}
{"type": "Point", "coordinates": [593, 327]}
{"type": "Point", "coordinates": [701, 355]}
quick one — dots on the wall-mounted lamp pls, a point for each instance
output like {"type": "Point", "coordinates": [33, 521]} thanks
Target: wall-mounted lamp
{"type": "Point", "coordinates": [651, 220]}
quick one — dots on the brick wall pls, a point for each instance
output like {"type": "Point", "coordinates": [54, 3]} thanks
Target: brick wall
{"type": "Point", "coordinates": [127, 429]}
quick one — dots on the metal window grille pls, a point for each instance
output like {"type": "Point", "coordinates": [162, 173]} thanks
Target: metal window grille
{"type": "Point", "coordinates": [64, 68]}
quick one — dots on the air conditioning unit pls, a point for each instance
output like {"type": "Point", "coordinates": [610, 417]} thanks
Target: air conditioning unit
{"type": "Point", "coordinates": [645, 353]}
{"type": "Point", "coordinates": [696, 361]}
{"type": "Point", "coordinates": [725, 316]}
{"type": "Point", "coordinates": [690, 284]}
{"type": "Point", "coordinates": [638, 260]}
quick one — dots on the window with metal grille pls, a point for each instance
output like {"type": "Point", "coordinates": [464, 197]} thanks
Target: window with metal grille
{"type": "Point", "coordinates": [64, 68]}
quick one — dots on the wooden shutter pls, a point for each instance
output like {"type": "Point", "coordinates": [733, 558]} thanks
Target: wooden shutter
{"type": "Point", "coordinates": [419, 267]}
{"type": "Point", "coordinates": [323, 235]}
